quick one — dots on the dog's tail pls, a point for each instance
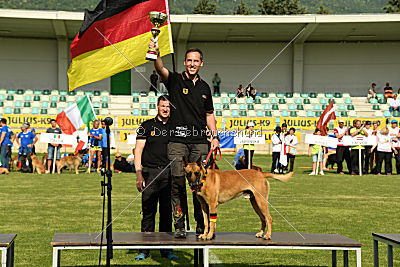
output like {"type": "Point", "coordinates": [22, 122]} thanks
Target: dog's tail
{"type": "Point", "coordinates": [282, 178]}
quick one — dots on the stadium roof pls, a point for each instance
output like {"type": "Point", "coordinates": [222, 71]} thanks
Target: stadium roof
{"type": "Point", "coordinates": [220, 28]}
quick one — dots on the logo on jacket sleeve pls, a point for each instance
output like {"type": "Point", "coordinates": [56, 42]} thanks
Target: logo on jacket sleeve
{"type": "Point", "coordinates": [185, 91]}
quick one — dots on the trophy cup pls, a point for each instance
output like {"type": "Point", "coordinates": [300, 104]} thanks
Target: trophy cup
{"type": "Point", "coordinates": [157, 19]}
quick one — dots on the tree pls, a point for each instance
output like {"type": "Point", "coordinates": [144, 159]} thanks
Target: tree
{"type": "Point", "coordinates": [205, 7]}
{"type": "Point", "coordinates": [323, 10]}
{"type": "Point", "coordinates": [243, 9]}
{"type": "Point", "coordinates": [281, 7]}
{"type": "Point", "coordinates": [392, 7]}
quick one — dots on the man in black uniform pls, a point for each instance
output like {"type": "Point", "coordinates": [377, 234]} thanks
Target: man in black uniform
{"type": "Point", "coordinates": [192, 112]}
{"type": "Point", "coordinates": [151, 160]}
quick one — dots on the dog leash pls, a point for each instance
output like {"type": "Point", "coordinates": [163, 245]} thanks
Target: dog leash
{"type": "Point", "coordinates": [216, 151]}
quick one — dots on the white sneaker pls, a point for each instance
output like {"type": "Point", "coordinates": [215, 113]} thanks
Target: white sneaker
{"type": "Point", "coordinates": [313, 173]}
{"type": "Point", "coordinates": [322, 173]}
{"type": "Point", "coordinates": [276, 171]}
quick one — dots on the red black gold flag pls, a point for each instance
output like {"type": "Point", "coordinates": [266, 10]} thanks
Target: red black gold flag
{"type": "Point", "coordinates": [126, 24]}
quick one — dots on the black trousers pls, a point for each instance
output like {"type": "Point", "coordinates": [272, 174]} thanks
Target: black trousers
{"type": "Point", "coordinates": [157, 193]}
{"type": "Point", "coordinates": [275, 161]}
{"type": "Point", "coordinates": [246, 158]}
{"type": "Point", "coordinates": [384, 156]}
{"type": "Point", "coordinates": [290, 162]}
{"type": "Point", "coordinates": [367, 158]}
{"type": "Point", "coordinates": [216, 89]}
{"type": "Point", "coordinates": [397, 158]}
{"type": "Point", "coordinates": [355, 160]}
{"type": "Point", "coordinates": [192, 152]}
{"type": "Point", "coordinates": [343, 153]}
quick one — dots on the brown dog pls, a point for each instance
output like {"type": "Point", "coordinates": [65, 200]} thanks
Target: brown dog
{"type": "Point", "coordinates": [72, 162]}
{"type": "Point", "coordinates": [44, 159]}
{"type": "Point", "coordinates": [37, 165]}
{"type": "Point", "coordinates": [214, 187]}
{"type": "Point", "coordinates": [4, 171]}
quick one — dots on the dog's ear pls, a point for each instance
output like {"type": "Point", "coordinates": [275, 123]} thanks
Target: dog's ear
{"type": "Point", "coordinates": [184, 161]}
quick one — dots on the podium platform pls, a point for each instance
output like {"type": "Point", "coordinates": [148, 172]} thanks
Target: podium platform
{"type": "Point", "coordinates": [223, 240]}
{"type": "Point", "coordinates": [7, 249]}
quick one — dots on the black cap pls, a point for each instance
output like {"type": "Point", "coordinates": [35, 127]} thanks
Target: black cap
{"type": "Point", "coordinates": [278, 129]}
{"type": "Point", "coordinates": [368, 123]}
{"type": "Point", "coordinates": [284, 125]}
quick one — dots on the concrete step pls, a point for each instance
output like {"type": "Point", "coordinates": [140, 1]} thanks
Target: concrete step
{"type": "Point", "coordinates": [120, 99]}
{"type": "Point", "coordinates": [122, 106]}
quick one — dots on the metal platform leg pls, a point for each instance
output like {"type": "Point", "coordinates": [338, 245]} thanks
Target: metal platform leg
{"type": "Point", "coordinates": [201, 257]}
{"type": "Point", "coordinates": [334, 261]}
{"type": "Point", "coordinates": [196, 257]}
{"type": "Point", "coordinates": [376, 253]}
{"type": "Point", "coordinates": [345, 258]}
{"type": "Point", "coordinates": [206, 257]}
{"type": "Point", "coordinates": [3, 258]}
{"type": "Point", "coordinates": [358, 256]}
{"type": "Point", "coordinates": [390, 256]}
{"type": "Point", "coordinates": [56, 257]}
{"type": "Point", "coordinates": [10, 255]}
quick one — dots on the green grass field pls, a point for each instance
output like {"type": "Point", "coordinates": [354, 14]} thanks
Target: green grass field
{"type": "Point", "coordinates": [37, 206]}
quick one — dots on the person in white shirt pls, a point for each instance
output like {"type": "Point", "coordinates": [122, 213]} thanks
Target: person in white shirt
{"type": "Point", "coordinates": [342, 151]}
{"type": "Point", "coordinates": [384, 148]}
{"type": "Point", "coordinates": [394, 133]}
{"type": "Point", "coordinates": [131, 160]}
{"type": "Point", "coordinates": [394, 104]}
{"type": "Point", "coordinates": [291, 142]}
{"type": "Point", "coordinates": [277, 139]}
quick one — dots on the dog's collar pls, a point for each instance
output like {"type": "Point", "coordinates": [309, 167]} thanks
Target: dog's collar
{"type": "Point", "coordinates": [196, 186]}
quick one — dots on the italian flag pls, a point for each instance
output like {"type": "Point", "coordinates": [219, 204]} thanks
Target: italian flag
{"type": "Point", "coordinates": [77, 115]}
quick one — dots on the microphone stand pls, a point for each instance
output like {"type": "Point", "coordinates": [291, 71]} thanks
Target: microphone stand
{"type": "Point", "coordinates": [109, 208]}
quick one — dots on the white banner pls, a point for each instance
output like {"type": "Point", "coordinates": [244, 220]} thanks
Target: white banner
{"type": "Point", "coordinates": [359, 140]}
{"type": "Point", "coordinates": [321, 140]}
{"type": "Point", "coordinates": [63, 139]}
{"type": "Point", "coordinates": [246, 140]}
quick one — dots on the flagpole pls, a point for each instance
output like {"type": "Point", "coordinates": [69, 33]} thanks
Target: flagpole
{"type": "Point", "coordinates": [359, 161]}
{"type": "Point", "coordinates": [173, 62]}
{"type": "Point", "coordinates": [90, 160]}
{"type": "Point", "coordinates": [318, 158]}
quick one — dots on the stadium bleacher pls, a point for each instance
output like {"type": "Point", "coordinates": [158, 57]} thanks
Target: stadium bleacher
{"type": "Point", "coordinates": [51, 102]}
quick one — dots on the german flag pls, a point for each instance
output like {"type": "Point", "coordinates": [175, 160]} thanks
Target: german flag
{"type": "Point", "coordinates": [124, 24]}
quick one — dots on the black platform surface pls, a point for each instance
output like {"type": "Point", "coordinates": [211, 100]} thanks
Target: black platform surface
{"type": "Point", "coordinates": [395, 238]}
{"type": "Point", "coordinates": [222, 238]}
{"type": "Point", "coordinates": [6, 239]}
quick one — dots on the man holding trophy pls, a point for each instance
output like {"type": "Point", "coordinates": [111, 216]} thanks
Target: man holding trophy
{"type": "Point", "coordinates": [192, 111]}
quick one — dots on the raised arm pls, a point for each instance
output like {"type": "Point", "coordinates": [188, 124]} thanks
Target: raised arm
{"type": "Point", "coordinates": [158, 63]}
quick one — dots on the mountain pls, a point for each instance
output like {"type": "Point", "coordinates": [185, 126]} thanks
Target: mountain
{"type": "Point", "coordinates": [186, 6]}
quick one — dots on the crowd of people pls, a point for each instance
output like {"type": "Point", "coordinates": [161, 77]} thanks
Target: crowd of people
{"type": "Point", "coordinates": [390, 96]}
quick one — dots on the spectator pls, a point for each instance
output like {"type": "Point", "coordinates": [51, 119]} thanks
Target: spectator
{"type": "Point", "coordinates": [153, 82]}
{"type": "Point", "coordinates": [33, 130]}
{"type": "Point", "coordinates": [95, 137]}
{"type": "Point", "coordinates": [251, 91]}
{"type": "Point", "coordinates": [342, 151]}
{"type": "Point", "coordinates": [25, 140]}
{"type": "Point", "coordinates": [316, 151]}
{"type": "Point", "coordinates": [5, 143]}
{"type": "Point", "coordinates": [120, 164]}
{"type": "Point", "coordinates": [388, 91]}
{"type": "Point", "coordinates": [131, 160]}
{"type": "Point", "coordinates": [248, 149]}
{"type": "Point", "coordinates": [239, 162]}
{"type": "Point", "coordinates": [358, 130]}
{"type": "Point", "coordinates": [384, 148]}
{"type": "Point", "coordinates": [398, 91]}
{"type": "Point", "coordinates": [52, 147]}
{"type": "Point", "coordinates": [394, 104]}
{"type": "Point", "coordinates": [276, 139]}
{"type": "Point", "coordinates": [216, 83]}
{"type": "Point", "coordinates": [291, 142]}
{"type": "Point", "coordinates": [372, 92]}
{"type": "Point", "coordinates": [240, 91]}
{"type": "Point", "coordinates": [394, 134]}
{"type": "Point", "coordinates": [368, 153]}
